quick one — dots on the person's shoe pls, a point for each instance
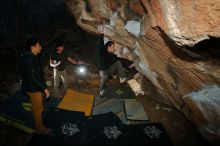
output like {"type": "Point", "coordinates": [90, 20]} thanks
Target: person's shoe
{"type": "Point", "coordinates": [123, 80]}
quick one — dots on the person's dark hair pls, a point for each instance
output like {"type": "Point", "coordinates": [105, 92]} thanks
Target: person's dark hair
{"type": "Point", "coordinates": [32, 41]}
{"type": "Point", "coordinates": [108, 44]}
{"type": "Point", "coordinates": [59, 43]}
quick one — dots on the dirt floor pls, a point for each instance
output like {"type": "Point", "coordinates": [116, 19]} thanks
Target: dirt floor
{"type": "Point", "coordinates": [181, 131]}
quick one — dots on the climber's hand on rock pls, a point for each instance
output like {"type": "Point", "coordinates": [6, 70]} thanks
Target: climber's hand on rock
{"type": "Point", "coordinates": [131, 66]}
{"type": "Point", "coordinates": [101, 28]}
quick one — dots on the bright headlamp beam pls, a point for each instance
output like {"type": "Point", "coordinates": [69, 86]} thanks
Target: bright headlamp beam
{"type": "Point", "coordinates": [81, 70]}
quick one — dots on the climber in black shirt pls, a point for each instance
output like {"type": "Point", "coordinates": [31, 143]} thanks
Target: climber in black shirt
{"type": "Point", "coordinates": [108, 62]}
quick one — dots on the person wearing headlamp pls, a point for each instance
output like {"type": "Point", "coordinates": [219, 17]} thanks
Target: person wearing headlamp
{"type": "Point", "coordinates": [58, 61]}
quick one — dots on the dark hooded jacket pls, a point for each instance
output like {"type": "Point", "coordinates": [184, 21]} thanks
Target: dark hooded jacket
{"type": "Point", "coordinates": [31, 73]}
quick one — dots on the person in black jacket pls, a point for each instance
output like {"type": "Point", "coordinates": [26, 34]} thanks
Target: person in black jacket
{"type": "Point", "coordinates": [33, 82]}
{"type": "Point", "coordinates": [108, 63]}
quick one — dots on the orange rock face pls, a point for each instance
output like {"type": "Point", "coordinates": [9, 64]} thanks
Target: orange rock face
{"type": "Point", "coordinates": [173, 43]}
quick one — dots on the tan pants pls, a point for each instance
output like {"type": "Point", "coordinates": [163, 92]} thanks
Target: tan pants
{"type": "Point", "coordinates": [58, 76]}
{"type": "Point", "coordinates": [37, 108]}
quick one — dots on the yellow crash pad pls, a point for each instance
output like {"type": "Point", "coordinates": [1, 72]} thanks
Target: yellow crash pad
{"type": "Point", "coordinates": [75, 101]}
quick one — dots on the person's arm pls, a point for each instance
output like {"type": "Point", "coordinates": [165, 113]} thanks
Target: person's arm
{"type": "Point", "coordinates": [53, 63]}
{"type": "Point", "coordinates": [31, 75]}
{"type": "Point", "coordinates": [100, 44]}
{"type": "Point", "coordinates": [72, 60]}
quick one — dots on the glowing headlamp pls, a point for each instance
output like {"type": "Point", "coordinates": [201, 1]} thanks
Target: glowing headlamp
{"type": "Point", "coordinates": [81, 70]}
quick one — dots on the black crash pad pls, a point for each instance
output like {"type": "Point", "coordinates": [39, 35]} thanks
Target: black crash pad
{"type": "Point", "coordinates": [106, 129]}
{"type": "Point", "coordinates": [17, 111]}
{"type": "Point", "coordinates": [65, 124]}
{"type": "Point", "coordinates": [149, 134]}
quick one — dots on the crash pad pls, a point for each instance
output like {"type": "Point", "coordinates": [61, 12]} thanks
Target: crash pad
{"type": "Point", "coordinates": [75, 101]}
{"type": "Point", "coordinates": [134, 110]}
{"type": "Point", "coordinates": [17, 112]}
{"type": "Point", "coordinates": [65, 124]}
{"type": "Point", "coordinates": [149, 134]}
{"type": "Point", "coordinates": [119, 91]}
{"type": "Point", "coordinates": [103, 129]}
{"type": "Point", "coordinates": [110, 105]}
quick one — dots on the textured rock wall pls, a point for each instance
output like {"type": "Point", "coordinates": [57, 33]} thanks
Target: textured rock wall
{"type": "Point", "coordinates": [162, 37]}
